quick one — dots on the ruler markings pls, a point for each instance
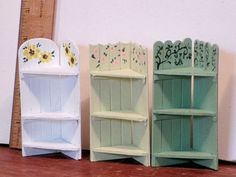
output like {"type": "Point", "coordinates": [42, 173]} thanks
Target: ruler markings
{"type": "Point", "coordinates": [36, 20]}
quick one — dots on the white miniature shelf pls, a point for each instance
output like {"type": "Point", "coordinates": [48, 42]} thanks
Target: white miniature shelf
{"type": "Point", "coordinates": [50, 94]}
{"type": "Point", "coordinates": [50, 116]}
{"type": "Point", "coordinates": [119, 115]}
{"type": "Point", "coordinates": [188, 71]}
{"type": "Point", "coordinates": [57, 144]}
{"type": "Point", "coordinates": [121, 150]}
{"type": "Point", "coordinates": [185, 155]}
{"type": "Point", "coordinates": [124, 73]}
{"type": "Point", "coordinates": [50, 71]}
{"type": "Point", "coordinates": [187, 112]}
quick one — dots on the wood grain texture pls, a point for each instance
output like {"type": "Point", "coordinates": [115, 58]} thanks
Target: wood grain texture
{"type": "Point", "coordinates": [58, 165]}
{"type": "Point", "coordinates": [36, 20]}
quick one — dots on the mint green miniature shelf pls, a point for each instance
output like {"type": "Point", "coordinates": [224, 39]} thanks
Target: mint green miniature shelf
{"type": "Point", "coordinates": [119, 121]}
{"type": "Point", "coordinates": [184, 123]}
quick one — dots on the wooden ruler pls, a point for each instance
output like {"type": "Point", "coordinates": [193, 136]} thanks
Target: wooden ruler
{"type": "Point", "coordinates": [36, 20]}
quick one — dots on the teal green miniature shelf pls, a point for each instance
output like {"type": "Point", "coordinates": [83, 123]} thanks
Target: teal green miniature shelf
{"type": "Point", "coordinates": [184, 124]}
{"type": "Point", "coordinates": [119, 121]}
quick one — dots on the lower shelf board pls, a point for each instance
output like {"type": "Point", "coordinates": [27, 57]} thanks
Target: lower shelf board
{"type": "Point", "coordinates": [184, 112]}
{"type": "Point", "coordinates": [52, 145]}
{"type": "Point", "coordinates": [185, 155]}
{"type": "Point", "coordinates": [119, 115]}
{"type": "Point", "coordinates": [121, 150]}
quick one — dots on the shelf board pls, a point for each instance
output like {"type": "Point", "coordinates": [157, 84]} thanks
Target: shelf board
{"type": "Point", "coordinates": [185, 155]}
{"type": "Point", "coordinates": [121, 150]}
{"type": "Point", "coordinates": [187, 71]}
{"type": "Point", "coordinates": [50, 116]}
{"type": "Point", "coordinates": [57, 71]}
{"type": "Point", "coordinates": [119, 115]}
{"type": "Point", "coordinates": [124, 73]}
{"type": "Point", "coordinates": [185, 112]}
{"type": "Point", "coordinates": [58, 144]}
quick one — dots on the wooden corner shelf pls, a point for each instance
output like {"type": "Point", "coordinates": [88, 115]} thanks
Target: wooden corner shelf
{"type": "Point", "coordinates": [184, 123]}
{"type": "Point", "coordinates": [119, 99]}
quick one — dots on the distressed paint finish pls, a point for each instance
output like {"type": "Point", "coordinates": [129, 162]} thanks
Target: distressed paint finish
{"type": "Point", "coordinates": [119, 123]}
{"type": "Point", "coordinates": [176, 138]}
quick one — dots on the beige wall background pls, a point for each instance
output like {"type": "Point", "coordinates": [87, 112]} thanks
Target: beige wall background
{"type": "Point", "coordinates": [146, 21]}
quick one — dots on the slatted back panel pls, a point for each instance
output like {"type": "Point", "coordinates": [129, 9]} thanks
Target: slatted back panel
{"type": "Point", "coordinates": [117, 94]}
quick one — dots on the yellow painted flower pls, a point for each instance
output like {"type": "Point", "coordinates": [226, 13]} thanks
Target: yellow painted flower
{"type": "Point", "coordinates": [72, 60]}
{"type": "Point", "coordinates": [31, 52]}
{"type": "Point", "coordinates": [45, 57]}
{"type": "Point", "coordinates": [67, 49]}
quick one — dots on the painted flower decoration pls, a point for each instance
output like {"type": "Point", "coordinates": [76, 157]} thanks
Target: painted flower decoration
{"type": "Point", "coordinates": [31, 52]}
{"type": "Point", "coordinates": [45, 57]}
{"type": "Point", "coordinates": [72, 60]}
{"type": "Point", "coordinates": [67, 49]}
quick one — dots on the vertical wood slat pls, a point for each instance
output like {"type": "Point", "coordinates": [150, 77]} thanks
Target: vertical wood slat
{"type": "Point", "coordinates": [34, 22]}
{"type": "Point", "coordinates": [105, 97]}
{"type": "Point", "coordinates": [115, 106]}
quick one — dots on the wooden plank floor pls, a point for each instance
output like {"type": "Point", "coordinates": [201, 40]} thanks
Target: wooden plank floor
{"type": "Point", "coordinates": [57, 165]}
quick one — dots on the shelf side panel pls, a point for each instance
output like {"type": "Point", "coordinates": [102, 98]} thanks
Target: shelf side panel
{"type": "Point", "coordinates": [70, 132]}
{"type": "Point", "coordinates": [205, 96]}
{"type": "Point", "coordinates": [156, 140]}
{"type": "Point", "coordinates": [26, 95]}
{"type": "Point", "coordinates": [70, 95]}
{"type": "Point", "coordinates": [69, 56]}
{"type": "Point", "coordinates": [95, 96]}
{"type": "Point", "coordinates": [206, 56]}
{"type": "Point", "coordinates": [205, 140]}
{"type": "Point", "coordinates": [139, 97]}
{"type": "Point", "coordinates": [157, 94]}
